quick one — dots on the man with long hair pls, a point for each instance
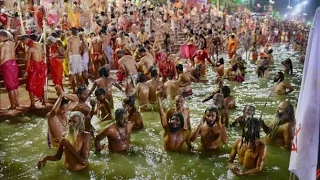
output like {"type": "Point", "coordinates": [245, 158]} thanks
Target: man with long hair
{"type": "Point", "coordinates": [211, 130]}
{"type": "Point", "coordinates": [118, 133]}
{"type": "Point", "coordinates": [281, 131]}
{"type": "Point", "coordinates": [75, 145]}
{"type": "Point", "coordinates": [251, 151]}
{"type": "Point", "coordinates": [282, 87]}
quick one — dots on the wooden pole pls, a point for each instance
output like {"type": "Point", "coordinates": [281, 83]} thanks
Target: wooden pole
{"type": "Point", "coordinates": [218, 5]}
{"type": "Point", "coordinates": [23, 30]}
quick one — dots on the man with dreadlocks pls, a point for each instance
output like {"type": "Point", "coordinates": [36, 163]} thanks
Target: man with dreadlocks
{"type": "Point", "coordinates": [282, 86]}
{"type": "Point", "coordinates": [251, 151]}
{"type": "Point", "coordinates": [281, 132]}
{"type": "Point", "coordinates": [75, 145]}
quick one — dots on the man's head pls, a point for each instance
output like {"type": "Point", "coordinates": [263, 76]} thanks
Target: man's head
{"type": "Point", "coordinates": [142, 51]}
{"type": "Point", "coordinates": [179, 68]}
{"type": "Point", "coordinates": [141, 78]}
{"type": "Point", "coordinates": [248, 111]}
{"type": "Point", "coordinates": [121, 117]}
{"type": "Point", "coordinates": [51, 40]}
{"type": "Point", "coordinates": [279, 77]}
{"type": "Point", "coordinates": [225, 90]}
{"type": "Point", "coordinates": [100, 93]}
{"type": "Point", "coordinates": [251, 132]}
{"type": "Point", "coordinates": [154, 72]}
{"type": "Point", "coordinates": [74, 31]}
{"type": "Point", "coordinates": [120, 53]}
{"type": "Point", "coordinates": [82, 93]}
{"type": "Point", "coordinates": [3, 35]}
{"type": "Point", "coordinates": [103, 72]}
{"type": "Point", "coordinates": [176, 122]}
{"type": "Point", "coordinates": [63, 107]}
{"type": "Point", "coordinates": [211, 116]}
{"type": "Point", "coordinates": [76, 126]}
{"type": "Point", "coordinates": [218, 100]}
{"type": "Point", "coordinates": [285, 112]}
{"type": "Point", "coordinates": [179, 101]}
{"type": "Point", "coordinates": [26, 40]}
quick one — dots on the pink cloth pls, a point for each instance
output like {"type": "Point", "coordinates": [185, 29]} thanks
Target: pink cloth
{"type": "Point", "coordinates": [187, 51]}
{"type": "Point", "coordinates": [52, 19]}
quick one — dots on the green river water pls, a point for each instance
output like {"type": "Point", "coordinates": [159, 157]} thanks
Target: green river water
{"type": "Point", "coordinates": [23, 139]}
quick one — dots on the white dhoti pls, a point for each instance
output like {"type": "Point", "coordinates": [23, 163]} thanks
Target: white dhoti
{"type": "Point", "coordinates": [108, 53]}
{"type": "Point", "coordinates": [76, 64]}
{"type": "Point", "coordinates": [85, 61]}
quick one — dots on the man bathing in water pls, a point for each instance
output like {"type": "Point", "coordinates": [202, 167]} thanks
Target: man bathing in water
{"type": "Point", "coordinates": [171, 89]}
{"type": "Point", "coordinates": [97, 55]}
{"type": "Point", "coordinates": [105, 82]}
{"type": "Point", "coordinates": [248, 112]}
{"type": "Point", "coordinates": [75, 145]}
{"type": "Point", "coordinates": [281, 87]}
{"type": "Point", "coordinates": [57, 117]}
{"type": "Point", "coordinates": [180, 108]}
{"type": "Point", "coordinates": [223, 110]}
{"type": "Point", "coordinates": [281, 132]}
{"type": "Point", "coordinates": [251, 151]}
{"type": "Point", "coordinates": [9, 68]}
{"type": "Point", "coordinates": [142, 92]}
{"type": "Point", "coordinates": [146, 61]}
{"type": "Point", "coordinates": [134, 115]}
{"type": "Point", "coordinates": [154, 84]}
{"type": "Point", "coordinates": [103, 110]}
{"type": "Point", "coordinates": [211, 130]}
{"type": "Point", "coordinates": [118, 133]}
{"type": "Point", "coordinates": [174, 134]}
{"type": "Point", "coordinates": [184, 80]}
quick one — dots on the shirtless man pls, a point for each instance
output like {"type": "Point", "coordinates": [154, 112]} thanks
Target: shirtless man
{"type": "Point", "coordinates": [211, 130]}
{"type": "Point", "coordinates": [105, 82]}
{"type": "Point", "coordinates": [107, 44]}
{"type": "Point", "coordinates": [84, 108]}
{"type": "Point", "coordinates": [104, 109]}
{"type": "Point", "coordinates": [248, 112]}
{"type": "Point", "coordinates": [281, 132]}
{"type": "Point", "coordinates": [171, 88]}
{"type": "Point", "coordinates": [229, 101]}
{"type": "Point", "coordinates": [75, 59]}
{"type": "Point", "coordinates": [281, 87]}
{"type": "Point", "coordinates": [85, 57]}
{"type": "Point", "coordinates": [128, 69]}
{"type": "Point", "coordinates": [9, 68]}
{"type": "Point", "coordinates": [146, 61]}
{"type": "Point", "coordinates": [75, 145]}
{"type": "Point", "coordinates": [142, 92]}
{"type": "Point", "coordinates": [251, 151]}
{"type": "Point", "coordinates": [154, 84]}
{"type": "Point", "coordinates": [15, 26]}
{"type": "Point", "coordinates": [35, 73]}
{"type": "Point", "coordinates": [180, 108]}
{"type": "Point", "coordinates": [223, 110]}
{"type": "Point", "coordinates": [96, 50]}
{"type": "Point", "coordinates": [118, 133]}
{"type": "Point", "coordinates": [174, 134]}
{"type": "Point", "coordinates": [57, 117]}
{"type": "Point", "coordinates": [134, 115]}
{"type": "Point", "coordinates": [184, 80]}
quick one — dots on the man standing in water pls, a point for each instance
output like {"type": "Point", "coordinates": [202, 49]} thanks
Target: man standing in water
{"type": "Point", "coordinates": [118, 133]}
{"type": "Point", "coordinates": [212, 132]}
{"type": "Point", "coordinates": [218, 102]}
{"type": "Point", "coordinates": [180, 108]}
{"type": "Point", "coordinates": [9, 68]}
{"type": "Point", "coordinates": [57, 117]}
{"type": "Point", "coordinates": [174, 134]}
{"type": "Point", "coordinates": [282, 86]}
{"type": "Point", "coordinates": [251, 151]}
{"type": "Point", "coordinates": [75, 145]}
{"type": "Point", "coordinates": [248, 112]}
{"type": "Point", "coordinates": [281, 132]}
{"type": "Point", "coordinates": [36, 70]}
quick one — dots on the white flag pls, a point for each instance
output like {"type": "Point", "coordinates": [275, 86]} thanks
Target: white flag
{"type": "Point", "coordinates": [304, 153]}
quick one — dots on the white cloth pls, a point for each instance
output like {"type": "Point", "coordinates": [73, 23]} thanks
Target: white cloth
{"type": "Point", "coordinates": [304, 153]}
{"type": "Point", "coordinates": [76, 64]}
{"type": "Point", "coordinates": [85, 61]}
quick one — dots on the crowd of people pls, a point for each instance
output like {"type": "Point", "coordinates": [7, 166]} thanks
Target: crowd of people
{"type": "Point", "coordinates": [139, 43]}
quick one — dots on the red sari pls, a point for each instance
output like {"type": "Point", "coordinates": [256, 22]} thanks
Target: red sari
{"type": "Point", "coordinates": [10, 73]}
{"type": "Point", "coordinates": [36, 78]}
{"type": "Point", "coordinates": [56, 67]}
{"type": "Point", "coordinates": [38, 16]}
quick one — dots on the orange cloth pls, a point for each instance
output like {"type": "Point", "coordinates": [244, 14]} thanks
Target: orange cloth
{"type": "Point", "coordinates": [232, 46]}
{"type": "Point", "coordinates": [38, 16]}
{"type": "Point", "coordinates": [56, 67]}
{"type": "Point", "coordinates": [36, 78]}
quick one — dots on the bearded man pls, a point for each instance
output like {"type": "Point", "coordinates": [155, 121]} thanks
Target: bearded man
{"type": "Point", "coordinates": [75, 145]}
{"type": "Point", "coordinates": [248, 112]}
{"type": "Point", "coordinates": [282, 87]}
{"type": "Point", "coordinates": [281, 131]}
{"type": "Point", "coordinates": [251, 151]}
{"type": "Point", "coordinates": [218, 102]}
{"type": "Point", "coordinates": [211, 130]}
